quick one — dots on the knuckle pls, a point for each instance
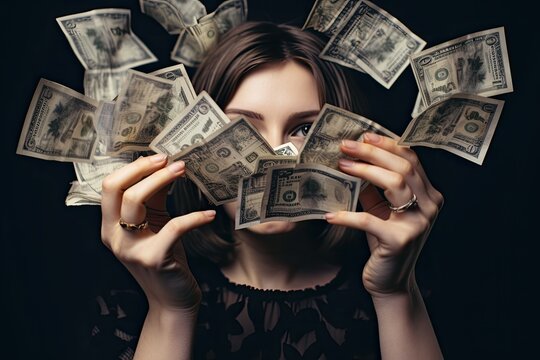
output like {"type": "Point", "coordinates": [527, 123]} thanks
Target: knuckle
{"type": "Point", "coordinates": [105, 238]}
{"type": "Point", "coordinates": [398, 182]}
{"type": "Point", "coordinates": [176, 227]}
{"type": "Point", "coordinates": [439, 199]}
{"type": "Point", "coordinates": [423, 224]}
{"type": "Point", "coordinates": [149, 261]}
{"type": "Point", "coordinates": [109, 184]}
{"type": "Point", "coordinates": [116, 249]}
{"type": "Point", "coordinates": [366, 150]}
{"type": "Point", "coordinates": [432, 211]}
{"type": "Point", "coordinates": [410, 155]}
{"type": "Point", "coordinates": [362, 220]}
{"type": "Point", "coordinates": [130, 197]}
{"type": "Point", "coordinates": [407, 169]}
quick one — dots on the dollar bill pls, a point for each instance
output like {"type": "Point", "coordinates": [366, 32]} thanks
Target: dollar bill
{"type": "Point", "coordinates": [287, 149]}
{"type": "Point", "coordinates": [187, 50]}
{"type": "Point", "coordinates": [145, 105]}
{"type": "Point", "coordinates": [164, 13]}
{"type": "Point", "coordinates": [175, 72]}
{"type": "Point", "coordinates": [102, 39]}
{"type": "Point", "coordinates": [343, 14]}
{"type": "Point", "coordinates": [209, 28]}
{"type": "Point", "coordinates": [327, 15]}
{"type": "Point", "coordinates": [419, 106]}
{"type": "Point", "coordinates": [104, 127]}
{"type": "Point", "coordinates": [217, 164]}
{"type": "Point", "coordinates": [474, 64]}
{"type": "Point", "coordinates": [174, 15]}
{"type": "Point", "coordinates": [103, 84]}
{"type": "Point", "coordinates": [92, 174]}
{"type": "Point", "coordinates": [59, 125]}
{"type": "Point", "coordinates": [198, 120]}
{"type": "Point", "coordinates": [266, 162]}
{"type": "Point", "coordinates": [82, 194]}
{"type": "Point", "coordinates": [194, 41]}
{"type": "Point", "coordinates": [332, 126]}
{"type": "Point", "coordinates": [462, 124]}
{"type": "Point", "coordinates": [171, 72]}
{"type": "Point", "coordinates": [373, 41]}
{"type": "Point", "coordinates": [251, 190]}
{"type": "Point", "coordinates": [307, 191]}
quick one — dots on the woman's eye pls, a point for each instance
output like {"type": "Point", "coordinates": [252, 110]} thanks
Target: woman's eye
{"type": "Point", "coordinates": [302, 130]}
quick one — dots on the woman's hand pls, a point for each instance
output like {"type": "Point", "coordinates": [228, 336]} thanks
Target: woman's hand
{"type": "Point", "coordinates": [394, 238]}
{"type": "Point", "coordinates": [155, 259]}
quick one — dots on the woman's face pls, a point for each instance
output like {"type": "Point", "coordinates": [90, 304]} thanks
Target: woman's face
{"type": "Point", "coordinates": [281, 101]}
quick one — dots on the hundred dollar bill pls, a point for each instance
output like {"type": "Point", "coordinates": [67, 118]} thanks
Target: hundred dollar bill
{"type": "Point", "coordinates": [103, 84]}
{"type": "Point", "coordinates": [198, 120]}
{"type": "Point", "coordinates": [474, 64]}
{"type": "Point", "coordinates": [102, 39]}
{"type": "Point", "coordinates": [251, 190]}
{"type": "Point", "coordinates": [82, 194]}
{"type": "Point", "coordinates": [374, 41]}
{"type": "Point", "coordinates": [322, 144]}
{"type": "Point", "coordinates": [59, 125]}
{"type": "Point", "coordinates": [462, 124]}
{"type": "Point", "coordinates": [145, 105]}
{"type": "Point", "coordinates": [174, 15]}
{"type": "Point", "coordinates": [307, 191]}
{"type": "Point", "coordinates": [217, 163]}
{"type": "Point", "coordinates": [287, 149]}
{"type": "Point", "coordinates": [327, 15]}
{"type": "Point", "coordinates": [174, 73]}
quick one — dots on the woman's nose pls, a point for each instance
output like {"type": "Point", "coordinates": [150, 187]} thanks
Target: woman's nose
{"type": "Point", "coordinates": [275, 137]}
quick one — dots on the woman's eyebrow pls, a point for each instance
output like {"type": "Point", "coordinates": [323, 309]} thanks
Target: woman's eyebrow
{"type": "Point", "coordinates": [304, 114]}
{"type": "Point", "coordinates": [258, 116]}
{"type": "Point", "coordinates": [248, 113]}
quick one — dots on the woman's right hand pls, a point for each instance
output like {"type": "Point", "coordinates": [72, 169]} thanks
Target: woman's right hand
{"type": "Point", "coordinates": [155, 259]}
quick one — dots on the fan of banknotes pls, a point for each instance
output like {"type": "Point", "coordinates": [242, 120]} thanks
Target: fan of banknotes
{"type": "Point", "coordinates": [125, 113]}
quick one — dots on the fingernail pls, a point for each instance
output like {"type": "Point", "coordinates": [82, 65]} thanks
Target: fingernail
{"type": "Point", "coordinates": [372, 138]}
{"type": "Point", "coordinates": [157, 158]}
{"type": "Point", "coordinates": [210, 213]}
{"type": "Point", "coordinates": [349, 144]}
{"type": "Point", "coordinates": [329, 216]}
{"type": "Point", "coordinates": [346, 163]}
{"type": "Point", "coordinates": [177, 166]}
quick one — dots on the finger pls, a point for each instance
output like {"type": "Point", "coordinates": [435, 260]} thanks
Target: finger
{"type": "Point", "coordinates": [359, 220]}
{"type": "Point", "coordinates": [117, 182]}
{"type": "Point", "coordinates": [178, 226]}
{"type": "Point", "coordinates": [388, 160]}
{"type": "Point", "coordinates": [406, 152]}
{"type": "Point", "coordinates": [385, 158]}
{"type": "Point", "coordinates": [395, 187]}
{"type": "Point", "coordinates": [134, 198]}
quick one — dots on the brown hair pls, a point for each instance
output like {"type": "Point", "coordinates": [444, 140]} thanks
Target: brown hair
{"type": "Point", "coordinates": [240, 51]}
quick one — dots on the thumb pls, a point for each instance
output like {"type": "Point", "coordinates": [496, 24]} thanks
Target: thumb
{"type": "Point", "coordinates": [178, 226]}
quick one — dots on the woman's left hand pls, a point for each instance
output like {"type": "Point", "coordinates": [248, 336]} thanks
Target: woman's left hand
{"type": "Point", "coordinates": [394, 238]}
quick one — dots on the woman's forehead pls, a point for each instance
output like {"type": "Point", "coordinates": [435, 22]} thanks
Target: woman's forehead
{"type": "Point", "coordinates": [278, 84]}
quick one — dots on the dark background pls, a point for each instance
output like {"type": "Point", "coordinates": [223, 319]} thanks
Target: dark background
{"type": "Point", "coordinates": [480, 260]}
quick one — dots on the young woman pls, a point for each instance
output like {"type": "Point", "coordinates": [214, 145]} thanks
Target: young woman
{"type": "Point", "coordinates": [277, 290]}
